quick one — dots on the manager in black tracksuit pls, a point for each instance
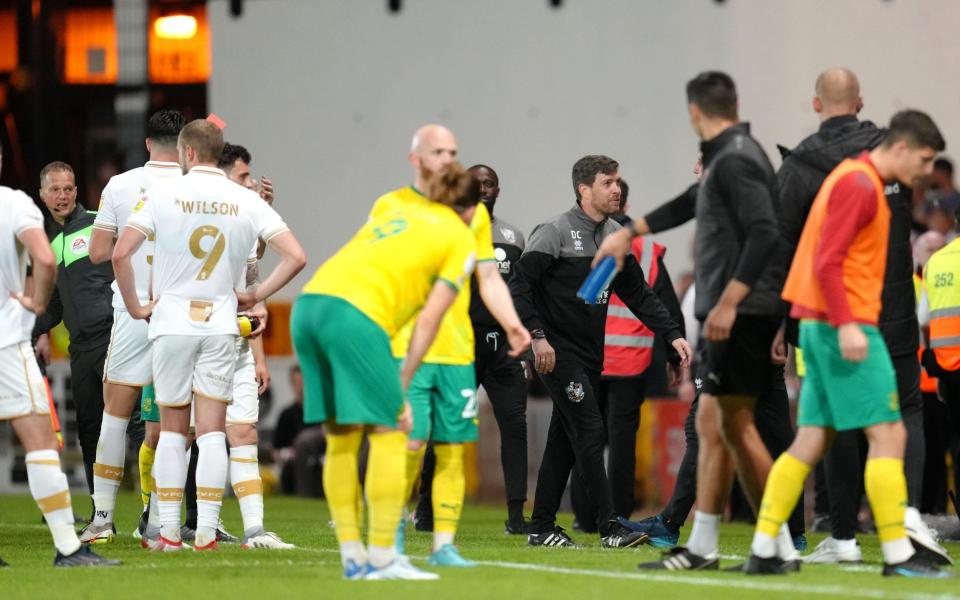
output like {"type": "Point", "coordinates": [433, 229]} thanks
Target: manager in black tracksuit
{"type": "Point", "coordinates": [568, 338]}
{"type": "Point", "coordinates": [82, 299]}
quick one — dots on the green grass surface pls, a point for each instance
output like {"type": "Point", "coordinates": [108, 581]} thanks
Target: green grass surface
{"type": "Point", "coordinates": [509, 569]}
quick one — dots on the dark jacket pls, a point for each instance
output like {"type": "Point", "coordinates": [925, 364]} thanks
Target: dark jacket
{"type": "Point", "coordinates": [551, 270]}
{"type": "Point", "coordinates": [508, 245]}
{"type": "Point", "coordinates": [800, 177]}
{"type": "Point", "coordinates": [735, 205]}
{"type": "Point", "coordinates": [82, 297]}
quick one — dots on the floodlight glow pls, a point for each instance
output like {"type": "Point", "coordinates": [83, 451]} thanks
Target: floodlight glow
{"type": "Point", "coordinates": [175, 27]}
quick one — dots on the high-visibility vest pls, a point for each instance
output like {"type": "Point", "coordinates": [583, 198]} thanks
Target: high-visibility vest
{"type": "Point", "coordinates": [941, 281]}
{"type": "Point", "coordinates": [928, 384]}
{"type": "Point", "coordinates": [628, 343]}
{"type": "Point", "coordinates": [866, 259]}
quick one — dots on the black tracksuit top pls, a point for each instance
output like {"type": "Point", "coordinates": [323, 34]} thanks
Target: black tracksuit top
{"type": "Point", "coordinates": [552, 268]}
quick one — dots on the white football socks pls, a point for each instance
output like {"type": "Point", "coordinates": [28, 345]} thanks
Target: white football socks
{"type": "Point", "coordinates": [108, 470]}
{"type": "Point", "coordinates": [170, 472]}
{"type": "Point", "coordinates": [48, 486]}
{"type": "Point", "coordinates": [245, 476]}
{"type": "Point", "coordinates": [211, 479]}
{"type": "Point", "coordinates": [705, 538]}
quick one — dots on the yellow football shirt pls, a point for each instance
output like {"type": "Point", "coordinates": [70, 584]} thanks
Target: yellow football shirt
{"type": "Point", "coordinates": [454, 342]}
{"type": "Point", "coordinates": [389, 266]}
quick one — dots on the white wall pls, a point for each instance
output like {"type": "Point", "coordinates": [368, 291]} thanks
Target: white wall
{"type": "Point", "coordinates": [327, 93]}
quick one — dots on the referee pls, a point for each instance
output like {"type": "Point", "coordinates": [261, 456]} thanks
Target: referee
{"type": "Point", "coordinates": [568, 338]}
{"type": "Point", "coordinates": [83, 300]}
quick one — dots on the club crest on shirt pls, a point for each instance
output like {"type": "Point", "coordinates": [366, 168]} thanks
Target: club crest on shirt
{"type": "Point", "coordinates": [575, 392]}
{"type": "Point", "coordinates": [508, 235]}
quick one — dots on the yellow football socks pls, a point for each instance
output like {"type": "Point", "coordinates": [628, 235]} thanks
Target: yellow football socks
{"type": "Point", "coordinates": [146, 457]}
{"type": "Point", "coordinates": [784, 486]}
{"type": "Point", "coordinates": [449, 485]}
{"type": "Point", "coordinates": [385, 485]}
{"type": "Point", "coordinates": [887, 492]}
{"type": "Point", "coordinates": [340, 483]}
{"type": "Point", "coordinates": [414, 460]}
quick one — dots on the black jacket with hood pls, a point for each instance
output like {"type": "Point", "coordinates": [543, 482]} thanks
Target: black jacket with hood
{"type": "Point", "coordinates": [800, 176]}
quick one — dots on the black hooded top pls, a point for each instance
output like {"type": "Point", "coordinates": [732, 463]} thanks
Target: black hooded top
{"type": "Point", "coordinates": [800, 176]}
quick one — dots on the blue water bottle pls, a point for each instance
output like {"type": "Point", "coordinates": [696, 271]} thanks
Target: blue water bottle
{"type": "Point", "coordinates": [598, 280]}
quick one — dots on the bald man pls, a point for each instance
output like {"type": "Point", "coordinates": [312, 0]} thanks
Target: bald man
{"type": "Point", "coordinates": [837, 101]}
{"type": "Point", "coordinates": [442, 394]}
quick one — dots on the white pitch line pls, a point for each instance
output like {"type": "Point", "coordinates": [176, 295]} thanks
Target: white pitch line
{"type": "Point", "coordinates": [725, 582]}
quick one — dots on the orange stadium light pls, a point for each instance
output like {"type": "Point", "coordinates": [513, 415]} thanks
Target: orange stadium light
{"type": "Point", "coordinates": [90, 44]}
{"type": "Point", "coordinates": [8, 41]}
{"type": "Point", "coordinates": [175, 27]}
{"type": "Point", "coordinates": [179, 46]}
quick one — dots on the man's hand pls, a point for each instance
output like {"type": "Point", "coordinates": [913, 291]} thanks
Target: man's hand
{"type": "Point", "coordinates": [43, 349]}
{"type": "Point", "coordinates": [405, 421]}
{"type": "Point", "coordinates": [144, 311]}
{"type": "Point", "coordinates": [853, 343]}
{"type": "Point", "coordinates": [674, 375]}
{"type": "Point", "coordinates": [261, 314]}
{"type": "Point", "coordinates": [266, 190]}
{"type": "Point", "coordinates": [263, 377]}
{"type": "Point", "coordinates": [545, 358]}
{"type": "Point", "coordinates": [519, 340]}
{"type": "Point", "coordinates": [778, 350]}
{"type": "Point", "coordinates": [719, 322]}
{"type": "Point", "coordinates": [683, 349]}
{"type": "Point", "coordinates": [28, 303]}
{"type": "Point", "coordinates": [245, 300]}
{"type": "Point", "coordinates": [617, 245]}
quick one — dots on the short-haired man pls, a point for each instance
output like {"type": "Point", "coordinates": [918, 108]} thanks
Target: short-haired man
{"type": "Point", "coordinates": [841, 135]}
{"type": "Point", "coordinates": [627, 376]}
{"type": "Point", "coordinates": [127, 368]}
{"type": "Point", "coordinates": [442, 394]}
{"type": "Point", "coordinates": [82, 299]}
{"type": "Point", "coordinates": [250, 379]}
{"type": "Point", "coordinates": [737, 301]}
{"type": "Point", "coordinates": [23, 393]}
{"type": "Point", "coordinates": [205, 228]}
{"type": "Point", "coordinates": [500, 374]}
{"type": "Point", "coordinates": [568, 338]}
{"type": "Point", "coordinates": [835, 284]}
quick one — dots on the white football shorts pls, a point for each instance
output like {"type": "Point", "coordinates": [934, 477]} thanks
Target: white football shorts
{"type": "Point", "coordinates": [184, 365]}
{"type": "Point", "coordinates": [22, 389]}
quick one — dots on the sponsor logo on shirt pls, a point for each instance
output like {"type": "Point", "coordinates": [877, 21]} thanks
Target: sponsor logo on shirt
{"type": "Point", "coordinates": [79, 245]}
{"type": "Point", "coordinates": [508, 235]}
{"type": "Point", "coordinates": [502, 263]}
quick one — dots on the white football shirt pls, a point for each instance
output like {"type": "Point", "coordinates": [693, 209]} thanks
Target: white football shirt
{"type": "Point", "coordinates": [204, 226]}
{"type": "Point", "coordinates": [17, 214]}
{"type": "Point", "coordinates": [117, 201]}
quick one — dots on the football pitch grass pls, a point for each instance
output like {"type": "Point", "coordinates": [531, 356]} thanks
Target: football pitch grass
{"type": "Point", "coordinates": [508, 570]}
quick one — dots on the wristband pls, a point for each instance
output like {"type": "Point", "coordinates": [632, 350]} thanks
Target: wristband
{"type": "Point", "coordinates": [538, 334]}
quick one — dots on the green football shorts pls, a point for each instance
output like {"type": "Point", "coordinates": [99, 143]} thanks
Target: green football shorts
{"type": "Point", "coordinates": [349, 374]}
{"type": "Point", "coordinates": [443, 399]}
{"type": "Point", "coordinates": [840, 394]}
{"type": "Point", "coordinates": [149, 411]}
